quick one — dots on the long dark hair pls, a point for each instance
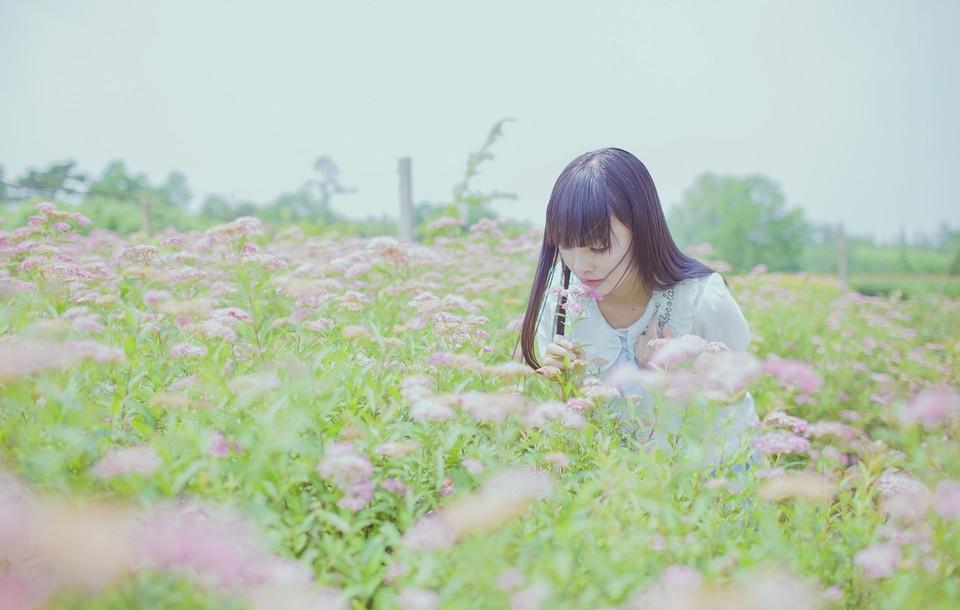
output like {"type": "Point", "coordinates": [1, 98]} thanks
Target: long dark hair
{"type": "Point", "coordinates": [591, 188]}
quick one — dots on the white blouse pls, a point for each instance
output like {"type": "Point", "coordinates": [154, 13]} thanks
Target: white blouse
{"type": "Point", "coordinates": [698, 306]}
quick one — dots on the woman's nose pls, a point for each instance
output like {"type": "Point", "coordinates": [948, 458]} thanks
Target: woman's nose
{"type": "Point", "coordinates": [582, 265]}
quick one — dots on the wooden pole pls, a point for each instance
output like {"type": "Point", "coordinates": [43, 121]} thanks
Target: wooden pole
{"type": "Point", "coordinates": [406, 199]}
{"type": "Point", "coordinates": [145, 210]}
{"type": "Point", "coordinates": [842, 257]}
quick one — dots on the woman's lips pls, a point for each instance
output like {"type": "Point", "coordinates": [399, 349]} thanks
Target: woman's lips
{"type": "Point", "coordinates": [592, 283]}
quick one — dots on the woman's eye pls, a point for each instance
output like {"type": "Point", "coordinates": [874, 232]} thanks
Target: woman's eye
{"type": "Point", "coordinates": [599, 250]}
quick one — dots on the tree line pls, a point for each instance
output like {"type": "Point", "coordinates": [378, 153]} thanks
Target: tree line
{"type": "Point", "coordinates": [746, 219]}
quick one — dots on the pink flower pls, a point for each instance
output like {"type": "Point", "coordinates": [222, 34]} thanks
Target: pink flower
{"type": "Point", "coordinates": [432, 531]}
{"type": "Point", "coordinates": [932, 407]}
{"type": "Point", "coordinates": [677, 351]}
{"type": "Point", "coordinates": [543, 413]}
{"type": "Point", "coordinates": [425, 409]}
{"type": "Point", "coordinates": [473, 466]}
{"type": "Point", "coordinates": [344, 464]}
{"type": "Point", "coordinates": [90, 324]}
{"type": "Point", "coordinates": [127, 460]}
{"type": "Point", "coordinates": [511, 578]}
{"type": "Point", "coordinates": [358, 495]}
{"type": "Point", "coordinates": [231, 315]}
{"type": "Point", "coordinates": [413, 598]}
{"type": "Point", "coordinates": [879, 560]}
{"type": "Point", "coordinates": [947, 500]}
{"type": "Point", "coordinates": [217, 445]}
{"type": "Point", "coordinates": [780, 442]}
{"type": "Point", "coordinates": [782, 420]}
{"type": "Point", "coordinates": [154, 297]}
{"type": "Point", "coordinates": [891, 482]}
{"type": "Point", "coordinates": [501, 497]}
{"type": "Point", "coordinates": [680, 577]}
{"type": "Point", "coordinates": [793, 373]}
{"type": "Point", "coordinates": [396, 449]}
{"type": "Point", "coordinates": [531, 597]}
{"type": "Point", "coordinates": [221, 551]}
{"type": "Point", "coordinates": [839, 430]}
{"type": "Point", "coordinates": [396, 486]}
{"type": "Point", "coordinates": [188, 350]}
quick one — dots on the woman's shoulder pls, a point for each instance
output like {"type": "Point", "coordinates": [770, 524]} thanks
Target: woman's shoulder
{"type": "Point", "coordinates": [691, 290]}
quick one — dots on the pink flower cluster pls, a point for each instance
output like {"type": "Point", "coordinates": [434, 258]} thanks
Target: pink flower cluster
{"type": "Point", "coordinates": [48, 545]}
{"type": "Point", "coordinates": [932, 407]}
{"type": "Point", "coordinates": [772, 443]}
{"type": "Point", "coordinates": [118, 461]}
{"type": "Point", "coordinates": [502, 496]}
{"type": "Point", "coordinates": [351, 471]}
{"type": "Point", "coordinates": [793, 374]}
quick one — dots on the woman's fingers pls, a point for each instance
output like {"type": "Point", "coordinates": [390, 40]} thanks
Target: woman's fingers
{"type": "Point", "coordinates": [552, 362]}
{"type": "Point", "coordinates": [561, 352]}
{"type": "Point", "coordinates": [558, 350]}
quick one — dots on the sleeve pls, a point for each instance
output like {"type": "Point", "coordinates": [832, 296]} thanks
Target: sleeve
{"type": "Point", "coordinates": [718, 316]}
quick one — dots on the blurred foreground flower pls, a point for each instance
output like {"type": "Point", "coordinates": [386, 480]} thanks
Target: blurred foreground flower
{"type": "Point", "coordinates": [798, 485]}
{"type": "Point", "coordinates": [793, 373]}
{"type": "Point", "coordinates": [932, 407]}
{"type": "Point", "coordinates": [502, 496]}
{"type": "Point", "coordinates": [879, 560]}
{"type": "Point", "coordinates": [51, 545]}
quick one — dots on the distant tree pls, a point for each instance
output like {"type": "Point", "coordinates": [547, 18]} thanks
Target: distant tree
{"type": "Point", "coordinates": [59, 179]}
{"type": "Point", "coordinates": [116, 182]}
{"type": "Point", "coordinates": [222, 209]}
{"type": "Point", "coordinates": [305, 204]}
{"type": "Point", "coordinates": [326, 187]}
{"type": "Point", "coordinates": [217, 207]}
{"type": "Point", "coordinates": [472, 205]}
{"type": "Point", "coordinates": [3, 186]}
{"type": "Point", "coordinates": [745, 219]}
{"type": "Point", "coordinates": [176, 191]}
{"type": "Point", "coordinates": [903, 262]}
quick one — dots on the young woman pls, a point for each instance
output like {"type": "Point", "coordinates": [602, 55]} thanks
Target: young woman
{"type": "Point", "coordinates": [606, 228]}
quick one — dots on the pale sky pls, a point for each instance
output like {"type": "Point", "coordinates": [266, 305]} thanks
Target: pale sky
{"type": "Point", "coordinates": [852, 107]}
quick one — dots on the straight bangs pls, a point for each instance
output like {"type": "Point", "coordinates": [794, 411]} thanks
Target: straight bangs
{"type": "Point", "coordinates": [578, 214]}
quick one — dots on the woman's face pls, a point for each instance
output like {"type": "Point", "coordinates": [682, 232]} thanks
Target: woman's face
{"type": "Point", "coordinates": [600, 269]}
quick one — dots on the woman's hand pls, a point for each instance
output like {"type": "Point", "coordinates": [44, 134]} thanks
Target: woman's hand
{"type": "Point", "coordinates": [562, 353]}
{"type": "Point", "coordinates": [642, 348]}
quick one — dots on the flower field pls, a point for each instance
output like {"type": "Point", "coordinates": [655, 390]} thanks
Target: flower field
{"type": "Point", "coordinates": [247, 418]}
